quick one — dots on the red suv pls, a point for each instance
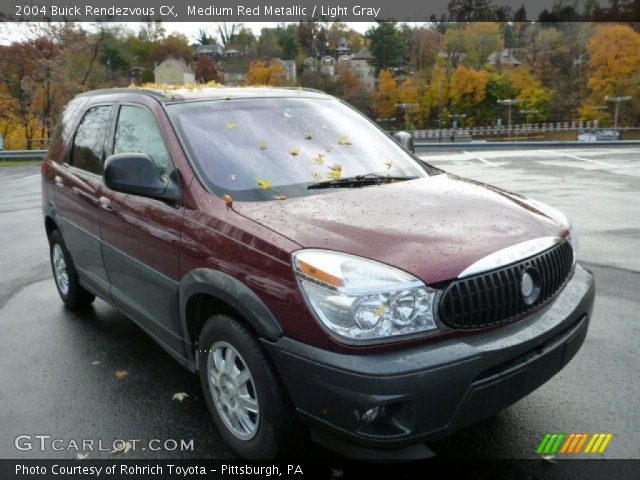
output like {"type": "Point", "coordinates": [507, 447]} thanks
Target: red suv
{"type": "Point", "coordinates": [317, 275]}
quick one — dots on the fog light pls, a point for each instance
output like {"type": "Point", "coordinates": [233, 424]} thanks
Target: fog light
{"type": "Point", "coordinates": [370, 415]}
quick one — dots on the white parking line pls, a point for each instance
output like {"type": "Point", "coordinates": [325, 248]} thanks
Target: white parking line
{"type": "Point", "coordinates": [478, 157]}
{"type": "Point", "coordinates": [626, 166]}
{"type": "Point", "coordinates": [575, 157]}
{"type": "Point", "coordinates": [32, 176]}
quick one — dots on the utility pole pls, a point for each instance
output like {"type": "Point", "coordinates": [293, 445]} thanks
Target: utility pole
{"type": "Point", "coordinates": [617, 101]}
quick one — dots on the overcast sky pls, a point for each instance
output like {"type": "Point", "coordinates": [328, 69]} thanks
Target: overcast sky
{"type": "Point", "coordinates": [11, 32]}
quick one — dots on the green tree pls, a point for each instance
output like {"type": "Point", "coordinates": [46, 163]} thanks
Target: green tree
{"type": "Point", "coordinates": [386, 45]}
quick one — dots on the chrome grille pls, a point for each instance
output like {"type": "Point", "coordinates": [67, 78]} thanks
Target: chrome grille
{"type": "Point", "coordinates": [495, 297]}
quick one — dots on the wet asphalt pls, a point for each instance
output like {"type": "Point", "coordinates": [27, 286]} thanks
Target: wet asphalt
{"type": "Point", "coordinates": [59, 370]}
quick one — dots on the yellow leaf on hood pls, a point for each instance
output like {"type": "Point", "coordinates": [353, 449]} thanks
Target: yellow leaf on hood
{"type": "Point", "coordinates": [121, 374]}
{"type": "Point", "coordinates": [308, 135]}
{"type": "Point", "coordinates": [319, 160]}
{"type": "Point", "coordinates": [264, 183]}
{"type": "Point", "coordinates": [336, 171]}
{"type": "Point", "coordinates": [344, 140]}
{"type": "Point", "coordinates": [389, 164]}
{"type": "Point", "coordinates": [279, 197]}
{"type": "Point", "coordinates": [294, 151]}
{"type": "Point", "coordinates": [231, 125]}
{"type": "Point", "coordinates": [264, 145]}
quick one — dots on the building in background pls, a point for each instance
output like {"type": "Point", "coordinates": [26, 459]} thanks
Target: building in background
{"type": "Point", "coordinates": [174, 72]}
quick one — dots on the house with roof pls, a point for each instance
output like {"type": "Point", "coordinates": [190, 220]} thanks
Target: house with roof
{"type": "Point", "coordinates": [361, 65]}
{"type": "Point", "coordinates": [172, 71]}
{"type": "Point", "coordinates": [214, 51]}
{"type": "Point", "coordinates": [289, 67]}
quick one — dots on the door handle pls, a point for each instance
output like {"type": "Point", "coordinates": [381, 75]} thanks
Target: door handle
{"type": "Point", "coordinates": [58, 180]}
{"type": "Point", "coordinates": [106, 204]}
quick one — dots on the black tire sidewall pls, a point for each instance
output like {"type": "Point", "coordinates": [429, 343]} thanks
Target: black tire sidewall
{"type": "Point", "coordinates": [74, 297]}
{"type": "Point", "coordinates": [267, 441]}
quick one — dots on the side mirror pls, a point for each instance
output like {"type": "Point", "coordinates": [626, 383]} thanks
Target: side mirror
{"type": "Point", "coordinates": [135, 173]}
{"type": "Point", "coordinates": [406, 140]}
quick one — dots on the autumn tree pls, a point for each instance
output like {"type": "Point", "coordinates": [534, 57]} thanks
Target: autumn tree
{"type": "Point", "coordinates": [614, 61]}
{"type": "Point", "coordinates": [410, 95]}
{"type": "Point", "coordinates": [385, 97]}
{"type": "Point", "coordinates": [265, 73]}
{"type": "Point", "coordinates": [312, 38]}
{"type": "Point", "coordinates": [175, 45]}
{"type": "Point", "coordinates": [205, 70]}
{"type": "Point", "coordinates": [468, 91]}
{"type": "Point", "coordinates": [423, 46]}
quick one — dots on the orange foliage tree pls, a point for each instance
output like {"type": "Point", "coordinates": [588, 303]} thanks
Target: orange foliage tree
{"type": "Point", "coordinates": [264, 73]}
{"type": "Point", "coordinates": [386, 96]}
{"type": "Point", "coordinates": [614, 66]}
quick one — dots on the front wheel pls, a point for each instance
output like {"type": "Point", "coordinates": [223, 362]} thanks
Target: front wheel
{"type": "Point", "coordinates": [65, 275]}
{"type": "Point", "coordinates": [244, 393]}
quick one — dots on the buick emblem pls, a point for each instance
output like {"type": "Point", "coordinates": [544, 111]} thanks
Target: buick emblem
{"type": "Point", "coordinates": [530, 286]}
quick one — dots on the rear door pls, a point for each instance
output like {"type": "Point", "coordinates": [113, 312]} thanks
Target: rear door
{"type": "Point", "coordinates": [141, 236]}
{"type": "Point", "coordinates": [77, 188]}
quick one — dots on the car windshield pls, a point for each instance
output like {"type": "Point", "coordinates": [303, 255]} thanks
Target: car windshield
{"type": "Point", "coordinates": [258, 149]}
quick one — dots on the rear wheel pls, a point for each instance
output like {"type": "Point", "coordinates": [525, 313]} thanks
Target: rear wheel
{"type": "Point", "coordinates": [65, 275]}
{"type": "Point", "coordinates": [244, 393]}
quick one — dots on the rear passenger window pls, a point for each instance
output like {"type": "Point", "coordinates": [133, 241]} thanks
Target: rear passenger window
{"type": "Point", "coordinates": [138, 132]}
{"type": "Point", "coordinates": [87, 152]}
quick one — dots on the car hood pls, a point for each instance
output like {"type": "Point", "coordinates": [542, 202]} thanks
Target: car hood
{"type": "Point", "coordinates": [433, 228]}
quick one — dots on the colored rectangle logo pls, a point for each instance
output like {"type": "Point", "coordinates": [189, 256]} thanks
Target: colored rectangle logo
{"type": "Point", "coordinates": [573, 443]}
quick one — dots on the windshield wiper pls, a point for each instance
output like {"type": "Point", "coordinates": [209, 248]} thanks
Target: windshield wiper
{"type": "Point", "coordinates": [359, 181]}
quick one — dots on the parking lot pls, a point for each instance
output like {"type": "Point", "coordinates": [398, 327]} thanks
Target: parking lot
{"type": "Point", "coordinates": [58, 373]}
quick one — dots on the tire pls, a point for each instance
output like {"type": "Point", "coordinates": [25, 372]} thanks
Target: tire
{"type": "Point", "coordinates": [65, 276]}
{"type": "Point", "coordinates": [276, 427]}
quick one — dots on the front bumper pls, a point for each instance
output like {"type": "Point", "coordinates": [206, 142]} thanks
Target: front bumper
{"type": "Point", "coordinates": [432, 390]}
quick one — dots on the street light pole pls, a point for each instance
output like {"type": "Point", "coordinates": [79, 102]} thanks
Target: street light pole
{"type": "Point", "coordinates": [617, 101]}
{"type": "Point", "coordinates": [509, 102]}
{"type": "Point", "coordinates": [528, 114]}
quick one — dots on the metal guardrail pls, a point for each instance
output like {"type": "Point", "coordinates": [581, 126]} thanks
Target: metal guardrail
{"type": "Point", "coordinates": [475, 146]}
{"type": "Point", "coordinates": [22, 154]}
{"type": "Point", "coordinates": [420, 147]}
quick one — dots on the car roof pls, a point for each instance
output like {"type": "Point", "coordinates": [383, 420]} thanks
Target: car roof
{"type": "Point", "coordinates": [168, 94]}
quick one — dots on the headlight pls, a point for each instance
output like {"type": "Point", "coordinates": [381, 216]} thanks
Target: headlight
{"type": "Point", "coordinates": [561, 218]}
{"type": "Point", "coordinates": [362, 299]}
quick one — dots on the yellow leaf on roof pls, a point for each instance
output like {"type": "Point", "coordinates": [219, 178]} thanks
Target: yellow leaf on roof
{"type": "Point", "coordinates": [308, 135]}
{"type": "Point", "coordinates": [294, 151]}
{"type": "Point", "coordinates": [329, 148]}
{"type": "Point", "coordinates": [263, 183]}
{"type": "Point", "coordinates": [264, 145]}
{"type": "Point", "coordinates": [231, 125]}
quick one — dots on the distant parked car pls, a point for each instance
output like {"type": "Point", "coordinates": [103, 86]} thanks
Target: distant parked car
{"type": "Point", "coordinates": [599, 135]}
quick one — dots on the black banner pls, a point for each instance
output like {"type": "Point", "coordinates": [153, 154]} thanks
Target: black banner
{"type": "Point", "coordinates": [304, 10]}
{"type": "Point", "coordinates": [328, 469]}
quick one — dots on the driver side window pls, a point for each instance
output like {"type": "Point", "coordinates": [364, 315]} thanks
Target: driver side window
{"type": "Point", "coordinates": [137, 132]}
